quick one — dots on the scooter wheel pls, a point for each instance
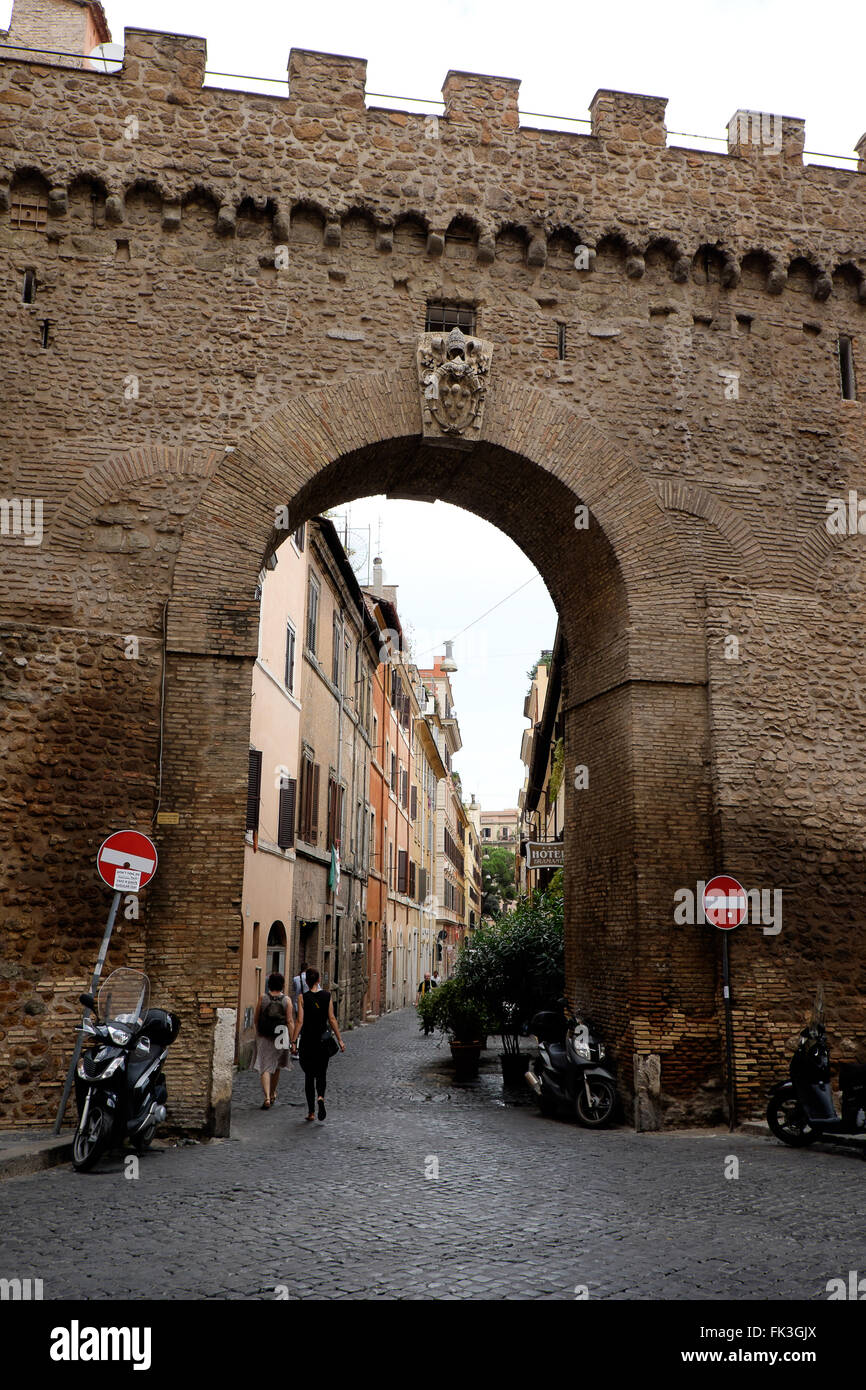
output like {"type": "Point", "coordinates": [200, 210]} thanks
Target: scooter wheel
{"type": "Point", "coordinates": [787, 1120]}
{"type": "Point", "coordinates": [92, 1140]}
{"type": "Point", "coordinates": [599, 1111]}
{"type": "Point", "coordinates": [142, 1141]}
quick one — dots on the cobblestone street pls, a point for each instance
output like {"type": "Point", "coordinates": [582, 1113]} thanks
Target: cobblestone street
{"type": "Point", "coordinates": [524, 1207]}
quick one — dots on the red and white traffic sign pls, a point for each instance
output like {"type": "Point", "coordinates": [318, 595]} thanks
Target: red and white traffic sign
{"type": "Point", "coordinates": [127, 861]}
{"type": "Point", "coordinates": [725, 902]}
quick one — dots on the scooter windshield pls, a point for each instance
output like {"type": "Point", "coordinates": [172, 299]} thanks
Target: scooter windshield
{"type": "Point", "coordinates": [123, 997]}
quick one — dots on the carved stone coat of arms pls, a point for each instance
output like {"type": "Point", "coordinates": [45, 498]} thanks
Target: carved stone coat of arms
{"type": "Point", "coordinates": [453, 375]}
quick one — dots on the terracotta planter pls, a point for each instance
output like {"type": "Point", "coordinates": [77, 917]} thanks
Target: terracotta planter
{"type": "Point", "coordinates": [466, 1059]}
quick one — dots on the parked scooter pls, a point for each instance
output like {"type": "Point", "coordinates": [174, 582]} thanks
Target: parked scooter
{"type": "Point", "coordinates": [802, 1109]}
{"type": "Point", "coordinates": [567, 1069]}
{"type": "Point", "coordinates": [119, 1086]}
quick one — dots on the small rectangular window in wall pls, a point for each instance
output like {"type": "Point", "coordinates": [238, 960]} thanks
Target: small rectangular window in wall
{"type": "Point", "coordinates": [560, 341]}
{"type": "Point", "coordinates": [335, 658]}
{"type": "Point", "coordinates": [290, 658]}
{"type": "Point", "coordinates": [312, 614]}
{"type": "Point", "coordinates": [28, 214]}
{"type": "Point", "coordinates": [846, 368]}
{"type": "Point", "coordinates": [442, 317]}
{"type": "Point", "coordinates": [29, 287]}
{"type": "Point", "coordinates": [299, 537]}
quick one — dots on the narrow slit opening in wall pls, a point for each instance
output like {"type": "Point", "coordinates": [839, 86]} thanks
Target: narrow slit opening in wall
{"type": "Point", "coordinates": [29, 287]}
{"type": "Point", "coordinates": [846, 368]}
{"type": "Point", "coordinates": [560, 341]}
{"type": "Point", "coordinates": [46, 325]}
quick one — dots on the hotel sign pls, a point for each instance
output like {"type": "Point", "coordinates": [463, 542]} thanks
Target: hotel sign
{"type": "Point", "coordinates": [544, 854]}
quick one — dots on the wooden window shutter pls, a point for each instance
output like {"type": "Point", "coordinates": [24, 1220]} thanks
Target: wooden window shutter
{"type": "Point", "coordinates": [254, 789]}
{"type": "Point", "coordinates": [314, 806]}
{"type": "Point", "coordinates": [411, 878]}
{"type": "Point", "coordinates": [286, 821]}
{"type": "Point", "coordinates": [402, 857]}
{"type": "Point", "coordinates": [414, 810]}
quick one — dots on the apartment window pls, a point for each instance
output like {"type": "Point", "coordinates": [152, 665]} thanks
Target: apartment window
{"type": "Point", "coordinates": [402, 871]}
{"type": "Point", "coordinates": [376, 734]}
{"type": "Point", "coordinates": [394, 772]}
{"type": "Point", "coordinates": [289, 678]}
{"type": "Point", "coordinates": [335, 659]}
{"type": "Point", "coordinates": [286, 813]}
{"type": "Point", "coordinates": [347, 649]}
{"type": "Point", "coordinates": [846, 368]}
{"type": "Point", "coordinates": [422, 885]}
{"type": "Point", "coordinates": [404, 788]}
{"type": "Point", "coordinates": [308, 799]}
{"type": "Point", "coordinates": [487, 832]}
{"type": "Point", "coordinates": [443, 316]}
{"type": "Point", "coordinates": [413, 806]}
{"type": "Point", "coordinates": [299, 537]}
{"type": "Point", "coordinates": [312, 613]}
{"type": "Point", "coordinates": [390, 864]}
{"type": "Point", "coordinates": [411, 878]}
{"type": "Point", "coordinates": [254, 789]}
{"type": "Point", "coordinates": [336, 800]}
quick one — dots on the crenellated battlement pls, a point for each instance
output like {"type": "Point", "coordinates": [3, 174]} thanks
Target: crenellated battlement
{"type": "Point", "coordinates": [153, 125]}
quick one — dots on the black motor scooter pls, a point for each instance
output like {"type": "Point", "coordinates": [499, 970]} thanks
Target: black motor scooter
{"type": "Point", "coordinates": [567, 1071]}
{"type": "Point", "coordinates": [119, 1086]}
{"type": "Point", "coordinates": [802, 1110]}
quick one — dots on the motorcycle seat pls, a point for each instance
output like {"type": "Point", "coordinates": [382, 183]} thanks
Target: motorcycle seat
{"type": "Point", "coordinates": [558, 1057]}
{"type": "Point", "coordinates": [851, 1074]}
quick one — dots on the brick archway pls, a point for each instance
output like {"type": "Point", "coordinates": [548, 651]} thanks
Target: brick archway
{"type": "Point", "coordinates": [635, 696]}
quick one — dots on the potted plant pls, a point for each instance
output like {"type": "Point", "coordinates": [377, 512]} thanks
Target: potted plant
{"type": "Point", "coordinates": [512, 968]}
{"type": "Point", "coordinates": [456, 1013]}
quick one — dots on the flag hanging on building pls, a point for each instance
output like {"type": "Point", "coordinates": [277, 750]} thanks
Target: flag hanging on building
{"type": "Point", "coordinates": [334, 871]}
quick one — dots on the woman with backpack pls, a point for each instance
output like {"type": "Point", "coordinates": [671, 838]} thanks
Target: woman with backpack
{"type": "Point", "coordinates": [319, 1035]}
{"type": "Point", "coordinates": [272, 1014]}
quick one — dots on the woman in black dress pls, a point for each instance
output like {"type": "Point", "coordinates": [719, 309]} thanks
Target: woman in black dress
{"type": "Point", "coordinates": [315, 1017]}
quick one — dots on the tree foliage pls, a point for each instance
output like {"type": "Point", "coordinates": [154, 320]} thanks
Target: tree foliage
{"type": "Point", "coordinates": [497, 876]}
{"type": "Point", "coordinates": [515, 965]}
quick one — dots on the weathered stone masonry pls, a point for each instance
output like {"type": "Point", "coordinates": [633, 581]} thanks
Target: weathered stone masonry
{"type": "Point", "coordinates": [189, 386]}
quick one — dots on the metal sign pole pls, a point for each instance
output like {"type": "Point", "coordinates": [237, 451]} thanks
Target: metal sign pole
{"type": "Point", "coordinates": [103, 952]}
{"type": "Point", "coordinates": [729, 1034]}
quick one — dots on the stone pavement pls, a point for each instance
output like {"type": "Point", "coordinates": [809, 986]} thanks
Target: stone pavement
{"type": "Point", "coordinates": [524, 1207]}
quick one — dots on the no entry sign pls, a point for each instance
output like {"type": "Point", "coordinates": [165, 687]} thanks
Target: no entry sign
{"type": "Point", "coordinates": [127, 861]}
{"type": "Point", "coordinates": [725, 902]}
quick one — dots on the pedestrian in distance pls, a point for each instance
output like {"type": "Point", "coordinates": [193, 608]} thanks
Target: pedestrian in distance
{"type": "Point", "coordinates": [436, 979]}
{"type": "Point", "coordinates": [299, 986]}
{"type": "Point", "coordinates": [425, 987]}
{"type": "Point", "coordinates": [317, 1034]}
{"type": "Point", "coordinates": [273, 1037]}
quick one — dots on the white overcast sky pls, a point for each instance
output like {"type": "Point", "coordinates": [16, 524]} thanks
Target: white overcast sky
{"type": "Point", "coordinates": [709, 59]}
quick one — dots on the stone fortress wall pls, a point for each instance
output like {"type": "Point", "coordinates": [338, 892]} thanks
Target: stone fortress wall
{"type": "Point", "coordinates": [225, 285]}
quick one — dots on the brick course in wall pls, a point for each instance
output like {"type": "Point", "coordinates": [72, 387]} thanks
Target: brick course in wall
{"type": "Point", "coordinates": [190, 385]}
